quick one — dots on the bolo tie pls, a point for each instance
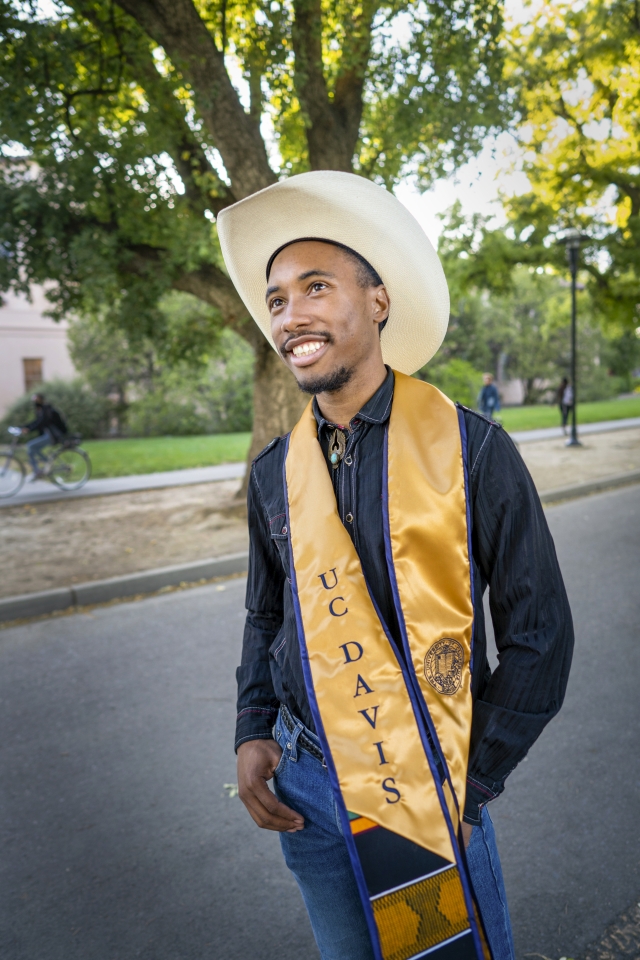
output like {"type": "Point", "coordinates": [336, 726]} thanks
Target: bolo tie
{"type": "Point", "coordinates": [337, 446]}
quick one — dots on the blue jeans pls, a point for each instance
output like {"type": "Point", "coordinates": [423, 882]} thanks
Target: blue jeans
{"type": "Point", "coordinates": [35, 448]}
{"type": "Point", "coordinates": [318, 858]}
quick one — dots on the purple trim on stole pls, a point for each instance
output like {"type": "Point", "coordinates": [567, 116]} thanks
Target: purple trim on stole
{"type": "Point", "coordinates": [317, 719]}
{"type": "Point", "coordinates": [467, 497]}
{"type": "Point", "coordinates": [467, 489]}
{"type": "Point", "coordinates": [421, 710]}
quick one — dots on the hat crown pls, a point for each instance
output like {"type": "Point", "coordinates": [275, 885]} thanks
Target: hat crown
{"type": "Point", "coordinates": [352, 211]}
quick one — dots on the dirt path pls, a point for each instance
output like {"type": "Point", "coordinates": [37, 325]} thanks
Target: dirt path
{"type": "Point", "coordinates": [553, 465]}
{"type": "Point", "coordinates": [55, 544]}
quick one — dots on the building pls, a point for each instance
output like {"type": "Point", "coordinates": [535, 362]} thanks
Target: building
{"type": "Point", "coordinates": [33, 347]}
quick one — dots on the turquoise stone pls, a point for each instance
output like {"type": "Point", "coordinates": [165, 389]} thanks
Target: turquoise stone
{"type": "Point", "coordinates": [334, 458]}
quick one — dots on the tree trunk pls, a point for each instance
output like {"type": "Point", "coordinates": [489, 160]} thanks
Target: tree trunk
{"type": "Point", "coordinates": [277, 402]}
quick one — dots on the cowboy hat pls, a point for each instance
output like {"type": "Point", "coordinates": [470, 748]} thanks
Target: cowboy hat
{"type": "Point", "coordinates": [356, 213]}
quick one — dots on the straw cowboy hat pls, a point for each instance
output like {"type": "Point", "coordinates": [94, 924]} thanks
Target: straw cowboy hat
{"type": "Point", "coordinates": [345, 208]}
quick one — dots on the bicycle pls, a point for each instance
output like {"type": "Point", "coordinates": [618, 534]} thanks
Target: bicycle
{"type": "Point", "coordinates": [68, 466]}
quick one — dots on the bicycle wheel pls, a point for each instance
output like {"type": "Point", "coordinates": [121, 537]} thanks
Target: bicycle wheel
{"type": "Point", "coordinates": [12, 475]}
{"type": "Point", "coordinates": [71, 468]}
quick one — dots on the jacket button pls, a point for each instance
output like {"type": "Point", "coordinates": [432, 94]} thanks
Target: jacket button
{"type": "Point", "coordinates": [284, 530]}
{"type": "Point", "coordinates": [349, 518]}
{"type": "Point", "coordinates": [348, 460]}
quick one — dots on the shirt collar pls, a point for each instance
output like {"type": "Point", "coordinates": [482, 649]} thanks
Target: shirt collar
{"type": "Point", "coordinates": [376, 410]}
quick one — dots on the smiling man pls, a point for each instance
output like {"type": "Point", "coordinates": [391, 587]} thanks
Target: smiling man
{"type": "Point", "coordinates": [364, 690]}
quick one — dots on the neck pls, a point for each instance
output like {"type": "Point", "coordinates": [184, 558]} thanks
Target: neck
{"type": "Point", "coordinates": [341, 406]}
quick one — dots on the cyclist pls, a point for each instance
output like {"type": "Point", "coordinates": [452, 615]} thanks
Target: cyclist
{"type": "Point", "coordinates": [51, 428]}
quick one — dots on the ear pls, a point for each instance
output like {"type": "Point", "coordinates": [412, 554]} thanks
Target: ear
{"type": "Point", "coordinates": [380, 304]}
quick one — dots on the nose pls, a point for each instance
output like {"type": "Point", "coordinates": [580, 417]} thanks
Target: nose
{"type": "Point", "coordinates": [293, 317]}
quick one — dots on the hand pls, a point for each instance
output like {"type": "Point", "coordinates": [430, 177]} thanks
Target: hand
{"type": "Point", "coordinates": [467, 830]}
{"type": "Point", "coordinates": [257, 760]}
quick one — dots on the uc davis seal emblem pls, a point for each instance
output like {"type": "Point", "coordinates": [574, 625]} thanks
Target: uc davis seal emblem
{"type": "Point", "coordinates": [443, 666]}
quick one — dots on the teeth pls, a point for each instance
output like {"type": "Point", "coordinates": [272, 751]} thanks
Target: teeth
{"type": "Point", "coordinates": [304, 349]}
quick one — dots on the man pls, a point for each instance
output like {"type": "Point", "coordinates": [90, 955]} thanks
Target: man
{"type": "Point", "coordinates": [376, 525]}
{"type": "Point", "coordinates": [51, 429]}
{"type": "Point", "coordinates": [489, 399]}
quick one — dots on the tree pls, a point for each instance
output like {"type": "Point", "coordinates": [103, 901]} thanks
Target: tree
{"type": "Point", "coordinates": [127, 127]}
{"type": "Point", "coordinates": [576, 68]}
{"type": "Point", "coordinates": [511, 313]}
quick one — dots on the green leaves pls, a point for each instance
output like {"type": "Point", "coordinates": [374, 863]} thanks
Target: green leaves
{"type": "Point", "coordinates": [576, 68]}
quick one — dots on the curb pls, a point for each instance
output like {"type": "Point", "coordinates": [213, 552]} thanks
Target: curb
{"type": "Point", "coordinates": [30, 605]}
{"type": "Point", "coordinates": [593, 486]}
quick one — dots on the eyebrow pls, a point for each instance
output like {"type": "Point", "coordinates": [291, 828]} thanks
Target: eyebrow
{"type": "Point", "coordinates": [303, 276]}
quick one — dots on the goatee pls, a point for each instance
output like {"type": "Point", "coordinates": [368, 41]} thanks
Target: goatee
{"type": "Point", "coordinates": [327, 384]}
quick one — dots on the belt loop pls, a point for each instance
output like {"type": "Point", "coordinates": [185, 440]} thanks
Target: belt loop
{"type": "Point", "coordinates": [292, 741]}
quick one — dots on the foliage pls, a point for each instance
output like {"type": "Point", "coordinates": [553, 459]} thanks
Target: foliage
{"type": "Point", "coordinates": [84, 411]}
{"type": "Point", "coordinates": [514, 318]}
{"type": "Point", "coordinates": [120, 169]}
{"type": "Point", "coordinates": [155, 415]}
{"type": "Point", "coordinates": [576, 68]}
{"type": "Point", "coordinates": [122, 457]}
{"type": "Point", "coordinates": [193, 377]}
{"type": "Point", "coordinates": [458, 379]}
{"type": "Point", "coordinates": [183, 400]}
{"type": "Point", "coordinates": [226, 387]}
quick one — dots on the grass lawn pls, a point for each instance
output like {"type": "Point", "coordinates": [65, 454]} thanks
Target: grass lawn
{"type": "Point", "coordinates": [118, 458]}
{"type": "Point", "coordinates": [534, 418]}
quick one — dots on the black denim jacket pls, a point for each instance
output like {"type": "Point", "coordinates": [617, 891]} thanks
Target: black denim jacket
{"type": "Point", "coordinates": [513, 554]}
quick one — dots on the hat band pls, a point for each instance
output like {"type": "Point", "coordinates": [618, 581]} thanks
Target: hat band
{"type": "Point", "coordinates": [375, 276]}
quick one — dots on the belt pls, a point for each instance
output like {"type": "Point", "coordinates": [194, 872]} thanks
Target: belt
{"type": "Point", "coordinates": [303, 740]}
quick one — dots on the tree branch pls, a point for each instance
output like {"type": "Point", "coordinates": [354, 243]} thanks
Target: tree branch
{"type": "Point", "coordinates": [177, 26]}
{"type": "Point", "coordinates": [332, 124]}
{"type": "Point", "coordinates": [208, 283]}
{"type": "Point", "coordinates": [354, 60]}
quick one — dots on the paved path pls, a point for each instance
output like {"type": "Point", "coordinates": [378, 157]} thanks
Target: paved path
{"type": "Point", "coordinates": [118, 837]}
{"type": "Point", "coordinates": [552, 433]}
{"type": "Point", "coordinates": [42, 490]}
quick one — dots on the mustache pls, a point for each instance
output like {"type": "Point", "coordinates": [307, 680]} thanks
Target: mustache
{"type": "Point", "coordinates": [322, 335]}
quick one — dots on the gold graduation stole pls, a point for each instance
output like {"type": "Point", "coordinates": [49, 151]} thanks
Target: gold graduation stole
{"type": "Point", "coordinates": [395, 727]}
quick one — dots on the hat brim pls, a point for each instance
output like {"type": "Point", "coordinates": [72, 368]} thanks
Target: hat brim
{"type": "Point", "coordinates": [359, 214]}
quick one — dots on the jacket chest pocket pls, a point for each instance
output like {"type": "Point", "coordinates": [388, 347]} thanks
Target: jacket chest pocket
{"type": "Point", "coordinates": [280, 537]}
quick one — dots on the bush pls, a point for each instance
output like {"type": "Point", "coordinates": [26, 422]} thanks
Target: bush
{"type": "Point", "coordinates": [154, 415]}
{"type": "Point", "coordinates": [458, 379]}
{"type": "Point", "coordinates": [85, 412]}
{"type": "Point", "coordinates": [226, 389]}
{"type": "Point", "coordinates": [597, 384]}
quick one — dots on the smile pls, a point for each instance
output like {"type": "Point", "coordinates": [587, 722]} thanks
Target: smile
{"type": "Point", "coordinates": [305, 349]}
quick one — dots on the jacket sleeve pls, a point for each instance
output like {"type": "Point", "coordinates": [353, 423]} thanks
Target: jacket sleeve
{"type": "Point", "coordinates": [532, 622]}
{"type": "Point", "coordinates": [257, 702]}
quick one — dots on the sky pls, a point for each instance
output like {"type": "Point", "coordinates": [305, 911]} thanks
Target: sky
{"type": "Point", "coordinates": [477, 185]}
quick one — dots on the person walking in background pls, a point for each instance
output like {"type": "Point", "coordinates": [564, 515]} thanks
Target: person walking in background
{"type": "Point", "coordinates": [489, 399]}
{"type": "Point", "coordinates": [51, 429]}
{"type": "Point", "coordinates": [565, 402]}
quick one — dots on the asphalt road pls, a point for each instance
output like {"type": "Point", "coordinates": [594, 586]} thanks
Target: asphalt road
{"type": "Point", "coordinates": [120, 841]}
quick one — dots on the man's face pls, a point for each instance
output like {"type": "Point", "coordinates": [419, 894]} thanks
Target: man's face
{"type": "Point", "coordinates": [323, 322]}
{"type": "Point", "coordinates": [487, 379]}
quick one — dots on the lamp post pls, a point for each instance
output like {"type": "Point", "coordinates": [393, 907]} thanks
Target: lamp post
{"type": "Point", "coordinates": [572, 241]}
